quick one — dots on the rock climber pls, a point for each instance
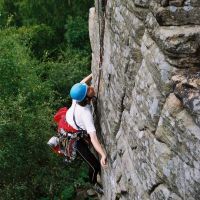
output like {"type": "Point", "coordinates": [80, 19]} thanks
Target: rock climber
{"type": "Point", "coordinates": [79, 119]}
{"type": "Point", "coordinates": [79, 116]}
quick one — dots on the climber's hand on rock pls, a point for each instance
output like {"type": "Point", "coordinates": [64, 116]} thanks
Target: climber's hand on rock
{"type": "Point", "coordinates": [104, 161]}
{"type": "Point", "coordinates": [99, 149]}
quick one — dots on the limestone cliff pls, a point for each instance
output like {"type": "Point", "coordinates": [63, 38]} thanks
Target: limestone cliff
{"type": "Point", "coordinates": [149, 96]}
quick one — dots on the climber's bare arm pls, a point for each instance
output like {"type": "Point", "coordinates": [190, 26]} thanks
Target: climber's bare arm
{"type": "Point", "coordinates": [87, 79]}
{"type": "Point", "coordinates": [99, 149]}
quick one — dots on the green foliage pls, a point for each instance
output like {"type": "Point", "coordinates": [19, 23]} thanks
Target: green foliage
{"type": "Point", "coordinates": [39, 38]}
{"type": "Point", "coordinates": [25, 117]}
{"type": "Point", "coordinates": [68, 193]}
{"type": "Point", "coordinates": [76, 33]}
{"type": "Point", "coordinates": [9, 13]}
{"type": "Point", "coordinates": [14, 62]}
{"type": "Point", "coordinates": [53, 13]}
{"type": "Point", "coordinates": [62, 75]}
{"type": "Point", "coordinates": [37, 71]}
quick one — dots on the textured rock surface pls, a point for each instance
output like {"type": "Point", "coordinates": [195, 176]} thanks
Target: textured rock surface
{"type": "Point", "coordinates": [148, 97]}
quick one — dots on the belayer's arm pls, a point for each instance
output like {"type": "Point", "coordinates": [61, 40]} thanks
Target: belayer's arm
{"type": "Point", "coordinates": [98, 148]}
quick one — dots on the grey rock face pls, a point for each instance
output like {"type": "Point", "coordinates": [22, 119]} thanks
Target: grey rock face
{"type": "Point", "coordinates": [187, 89]}
{"type": "Point", "coordinates": [175, 12]}
{"type": "Point", "coordinates": [174, 15]}
{"type": "Point", "coordinates": [148, 108]}
{"type": "Point", "coordinates": [180, 44]}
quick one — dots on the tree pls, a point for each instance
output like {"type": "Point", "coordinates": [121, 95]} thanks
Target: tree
{"type": "Point", "coordinates": [28, 100]}
{"type": "Point", "coordinates": [38, 67]}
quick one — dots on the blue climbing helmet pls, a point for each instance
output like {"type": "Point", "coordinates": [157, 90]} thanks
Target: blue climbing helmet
{"type": "Point", "coordinates": [78, 91]}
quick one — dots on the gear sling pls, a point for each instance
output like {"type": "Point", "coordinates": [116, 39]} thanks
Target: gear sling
{"type": "Point", "coordinates": [73, 142]}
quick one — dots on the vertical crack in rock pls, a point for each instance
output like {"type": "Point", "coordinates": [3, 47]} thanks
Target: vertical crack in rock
{"type": "Point", "coordinates": [122, 107]}
{"type": "Point", "coordinates": [101, 23]}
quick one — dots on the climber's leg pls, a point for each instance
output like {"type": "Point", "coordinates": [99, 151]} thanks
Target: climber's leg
{"type": "Point", "coordinates": [90, 159]}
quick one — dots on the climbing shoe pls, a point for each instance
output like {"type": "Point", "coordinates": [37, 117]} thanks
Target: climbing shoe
{"type": "Point", "coordinates": [98, 188]}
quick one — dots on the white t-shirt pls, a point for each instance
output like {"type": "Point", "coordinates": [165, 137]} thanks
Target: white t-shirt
{"type": "Point", "coordinates": [83, 116]}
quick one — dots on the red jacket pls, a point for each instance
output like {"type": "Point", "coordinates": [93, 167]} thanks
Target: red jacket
{"type": "Point", "coordinates": [59, 118]}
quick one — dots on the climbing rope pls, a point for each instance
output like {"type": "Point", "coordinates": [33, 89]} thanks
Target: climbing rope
{"type": "Point", "coordinates": [101, 20]}
{"type": "Point", "coordinates": [101, 11]}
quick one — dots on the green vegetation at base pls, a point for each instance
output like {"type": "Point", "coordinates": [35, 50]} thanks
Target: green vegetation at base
{"type": "Point", "coordinates": [44, 50]}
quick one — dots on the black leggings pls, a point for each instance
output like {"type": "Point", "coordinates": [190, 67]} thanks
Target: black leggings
{"type": "Point", "coordinates": [90, 159]}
